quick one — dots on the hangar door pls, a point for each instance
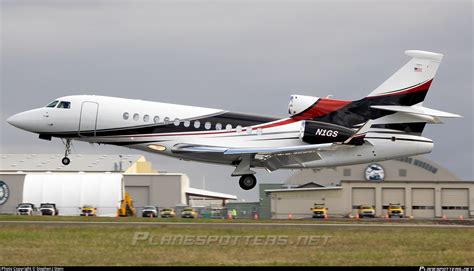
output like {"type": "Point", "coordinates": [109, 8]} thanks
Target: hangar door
{"type": "Point", "coordinates": [392, 195]}
{"type": "Point", "coordinates": [455, 202]}
{"type": "Point", "coordinates": [423, 202]}
{"type": "Point", "coordinates": [140, 196]}
{"type": "Point", "coordinates": [362, 196]}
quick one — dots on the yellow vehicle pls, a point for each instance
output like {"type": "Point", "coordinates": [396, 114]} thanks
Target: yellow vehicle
{"type": "Point", "coordinates": [88, 210]}
{"type": "Point", "coordinates": [395, 210]}
{"type": "Point", "coordinates": [189, 213]}
{"type": "Point", "coordinates": [319, 211]}
{"type": "Point", "coordinates": [366, 211]}
{"type": "Point", "coordinates": [126, 207]}
{"type": "Point", "coordinates": [168, 212]}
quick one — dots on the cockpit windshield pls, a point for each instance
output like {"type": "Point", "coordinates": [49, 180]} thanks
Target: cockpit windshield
{"type": "Point", "coordinates": [64, 104]}
{"type": "Point", "coordinates": [59, 104]}
{"type": "Point", "coordinates": [53, 104]}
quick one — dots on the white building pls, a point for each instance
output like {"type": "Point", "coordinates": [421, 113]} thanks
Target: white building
{"type": "Point", "coordinates": [99, 180]}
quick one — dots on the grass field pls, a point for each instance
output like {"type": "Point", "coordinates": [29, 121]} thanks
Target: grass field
{"type": "Point", "coordinates": [208, 220]}
{"type": "Point", "coordinates": [28, 244]}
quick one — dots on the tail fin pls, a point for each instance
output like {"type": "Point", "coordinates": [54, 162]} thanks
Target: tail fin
{"type": "Point", "coordinates": [396, 104]}
{"type": "Point", "coordinates": [410, 83]}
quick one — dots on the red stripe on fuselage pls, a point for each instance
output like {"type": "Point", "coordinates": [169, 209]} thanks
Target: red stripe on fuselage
{"type": "Point", "coordinates": [322, 107]}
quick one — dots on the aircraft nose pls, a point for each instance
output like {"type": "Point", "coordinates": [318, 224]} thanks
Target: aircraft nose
{"type": "Point", "coordinates": [14, 120]}
{"type": "Point", "coordinates": [23, 120]}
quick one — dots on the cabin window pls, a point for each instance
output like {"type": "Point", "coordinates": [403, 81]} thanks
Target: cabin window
{"type": "Point", "coordinates": [125, 116]}
{"type": "Point", "coordinates": [136, 117]}
{"type": "Point", "coordinates": [176, 122]}
{"type": "Point", "coordinates": [187, 123]}
{"type": "Point", "coordinates": [197, 124]}
{"type": "Point", "coordinates": [207, 125]}
{"type": "Point", "coordinates": [156, 119]}
{"type": "Point", "coordinates": [259, 131]}
{"type": "Point", "coordinates": [239, 128]}
{"type": "Point", "coordinates": [53, 104]}
{"type": "Point", "coordinates": [64, 105]}
{"type": "Point", "coordinates": [228, 127]}
{"type": "Point", "coordinates": [218, 126]}
{"type": "Point", "coordinates": [249, 130]}
{"type": "Point", "coordinates": [167, 120]}
{"type": "Point", "coordinates": [146, 118]}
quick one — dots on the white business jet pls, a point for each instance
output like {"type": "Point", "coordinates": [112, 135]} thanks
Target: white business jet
{"type": "Point", "coordinates": [319, 132]}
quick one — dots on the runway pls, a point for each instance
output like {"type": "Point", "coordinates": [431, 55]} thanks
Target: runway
{"type": "Point", "coordinates": [256, 224]}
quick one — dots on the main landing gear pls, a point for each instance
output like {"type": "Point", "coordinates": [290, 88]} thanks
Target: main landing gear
{"type": "Point", "coordinates": [247, 180]}
{"type": "Point", "coordinates": [66, 161]}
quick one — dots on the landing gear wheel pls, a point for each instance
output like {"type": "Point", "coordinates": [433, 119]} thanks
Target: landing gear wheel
{"type": "Point", "coordinates": [66, 161]}
{"type": "Point", "coordinates": [247, 182]}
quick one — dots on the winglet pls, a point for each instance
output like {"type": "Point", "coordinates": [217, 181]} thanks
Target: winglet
{"type": "Point", "coordinates": [358, 137]}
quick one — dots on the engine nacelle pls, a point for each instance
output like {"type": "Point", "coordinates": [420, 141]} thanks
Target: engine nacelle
{"type": "Point", "coordinates": [299, 103]}
{"type": "Point", "coordinates": [315, 132]}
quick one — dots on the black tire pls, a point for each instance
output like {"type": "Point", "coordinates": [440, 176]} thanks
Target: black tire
{"type": "Point", "coordinates": [66, 161]}
{"type": "Point", "coordinates": [247, 182]}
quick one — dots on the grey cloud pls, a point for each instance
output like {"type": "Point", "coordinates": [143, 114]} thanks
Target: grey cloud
{"type": "Point", "coordinates": [242, 56]}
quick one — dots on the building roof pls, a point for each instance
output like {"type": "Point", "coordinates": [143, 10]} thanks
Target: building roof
{"type": "Point", "coordinates": [303, 189]}
{"type": "Point", "coordinates": [408, 169]}
{"type": "Point", "coordinates": [79, 162]}
{"type": "Point", "coordinates": [310, 184]}
{"type": "Point", "coordinates": [208, 194]}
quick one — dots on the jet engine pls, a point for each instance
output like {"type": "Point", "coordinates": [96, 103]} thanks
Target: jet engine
{"type": "Point", "coordinates": [315, 132]}
{"type": "Point", "coordinates": [299, 103]}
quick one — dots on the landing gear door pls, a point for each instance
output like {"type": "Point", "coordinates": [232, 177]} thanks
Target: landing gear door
{"type": "Point", "coordinates": [88, 119]}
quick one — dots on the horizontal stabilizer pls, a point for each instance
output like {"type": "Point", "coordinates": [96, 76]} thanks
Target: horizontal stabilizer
{"type": "Point", "coordinates": [417, 110]}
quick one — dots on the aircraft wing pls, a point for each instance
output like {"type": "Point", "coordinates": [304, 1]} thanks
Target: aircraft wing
{"type": "Point", "coordinates": [193, 148]}
{"type": "Point", "coordinates": [272, 158]}
{"type": "Point", "coordinates": [278, 150]}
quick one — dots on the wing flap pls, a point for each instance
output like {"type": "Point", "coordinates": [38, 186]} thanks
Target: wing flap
{"type": "Point", "coordinates": [278, 150]}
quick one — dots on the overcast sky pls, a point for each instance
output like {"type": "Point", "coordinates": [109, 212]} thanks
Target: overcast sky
{"type": "Point", "coordinates": [246, 56]}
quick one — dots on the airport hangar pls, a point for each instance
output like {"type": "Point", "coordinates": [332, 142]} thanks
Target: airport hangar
{"type": "Point", "coordinates": [424, 189]}
{"type": "Point", "coordinates": [99, 180]}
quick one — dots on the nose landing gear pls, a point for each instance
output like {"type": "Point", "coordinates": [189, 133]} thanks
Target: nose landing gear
{"type": "Point", "coordinates": [66, 161]}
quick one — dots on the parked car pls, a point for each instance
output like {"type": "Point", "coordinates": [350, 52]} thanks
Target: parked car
{"type": "Point", "coordinates": [88, 210]}
{"type": "Point", "coordinates": [48, 209]}
{"type": "Point", "coordinates": [395, 210]}
{"type": "Point", "coordinates": [25, 209]}
{"type": "Point", "coordinates": [319, 211]}
{"type": "Point", "coordinates": [168, 212]}
{"type": "Point", "coordinates": [189, 213]}
{"type": "Point", "coordinates": [366, 211]}
{"type": "Point", "coordinates": [150, 211]}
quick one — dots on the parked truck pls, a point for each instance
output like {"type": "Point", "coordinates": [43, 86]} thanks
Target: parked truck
{"type": "Point", "coordinates": [48, 209]}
